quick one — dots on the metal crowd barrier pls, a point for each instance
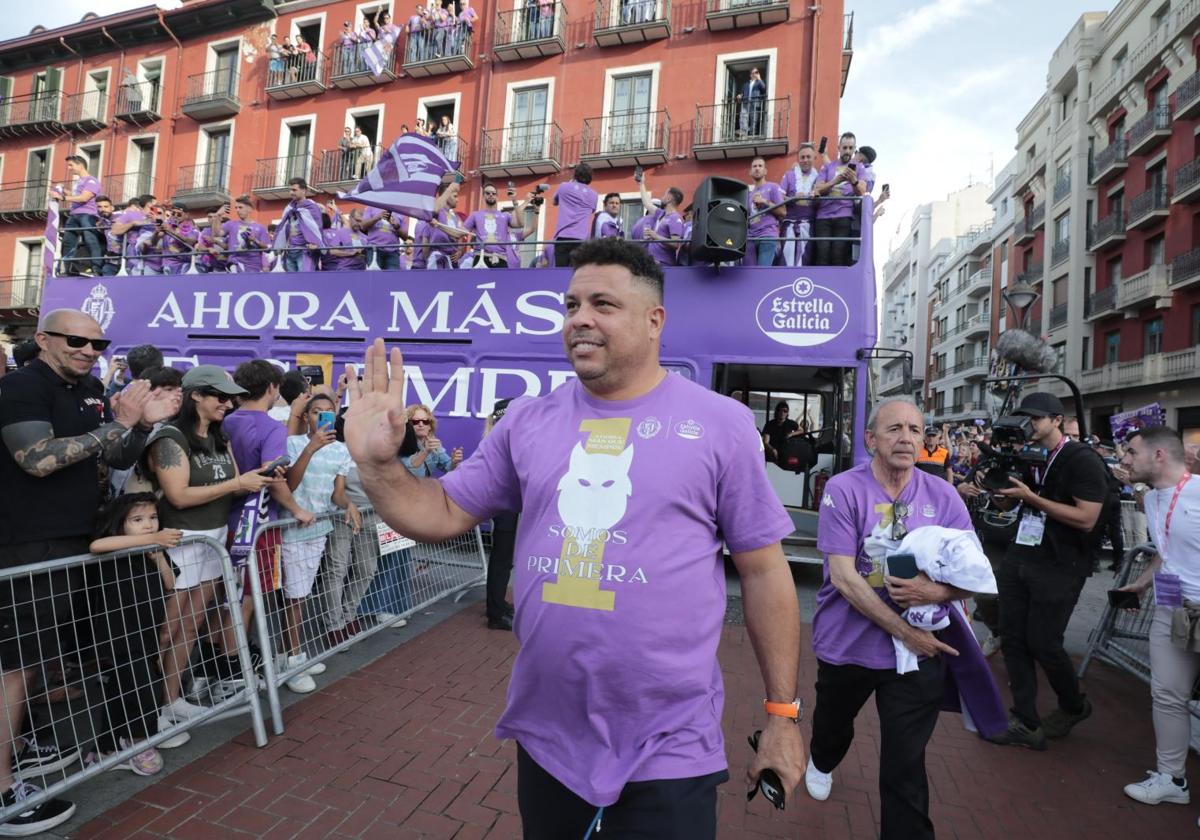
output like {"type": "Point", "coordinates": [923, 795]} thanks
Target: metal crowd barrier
{"type": "Point", "coordinates": [320, 589]}
{"type": "Point", "coordinates": [1122, 637]}
{"type": "Point", "coordinates": [103, 641]}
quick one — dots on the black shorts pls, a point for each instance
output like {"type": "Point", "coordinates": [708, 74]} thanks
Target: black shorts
{"type": "Point", "coordinates": [36, 610]}
{"type": "Point", "coordinates": [663, 809]}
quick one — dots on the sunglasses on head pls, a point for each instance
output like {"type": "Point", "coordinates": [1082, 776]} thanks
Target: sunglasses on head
{"type": "Point", "coordinates": [899, 514]}
{"type": "Point", "coordinates": [217, 395]}
{"type": "Point", "coordinates": [78, 341]}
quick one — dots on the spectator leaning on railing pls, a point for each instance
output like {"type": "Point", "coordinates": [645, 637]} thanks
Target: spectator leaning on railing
{"type": "Point", "coordinates": [841, 177]}
{"type": "Point", "coordinates": [56, 427]}
{"type": "Point", "coordinates": [81, 219]}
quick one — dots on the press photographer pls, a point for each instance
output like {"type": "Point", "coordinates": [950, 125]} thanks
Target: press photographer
{"type": "Point", "coordinates": [1045, 568]}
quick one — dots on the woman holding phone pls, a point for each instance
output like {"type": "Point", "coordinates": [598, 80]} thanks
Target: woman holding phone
{"type": "Point", "coordinates": [317, 460]}
{"type": "Point", "coordinates": [430, 456]}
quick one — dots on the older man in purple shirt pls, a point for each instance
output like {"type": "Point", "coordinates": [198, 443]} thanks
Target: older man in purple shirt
{"type": "Point", "coordinates": [799, 182]}
{"type": "Point", "coordinates": [81, 219]}
{"type": "Point", "coordinates": [576, 202]}
{"type": "Point", "coordinates": [834, 223]}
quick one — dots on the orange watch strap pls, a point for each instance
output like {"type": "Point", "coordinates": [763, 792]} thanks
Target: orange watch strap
{"type": "Point", "coordinates": [787, 710]}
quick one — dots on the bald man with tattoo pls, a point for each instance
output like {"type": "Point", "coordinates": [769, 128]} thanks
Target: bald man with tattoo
{"type": "Point", "coordinates": [56, 426]}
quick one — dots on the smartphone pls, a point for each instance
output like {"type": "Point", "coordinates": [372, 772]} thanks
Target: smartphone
{"type": "Point", "coordinates": [637, 173]}
{"type": "Point", "coordinates": [511, 189]}
{"type": "Point", "coordinates": [902, 565]}
{"type": "Point", "coordinates": [886, 188]}
{"type": "Point", "coordinates": [824, 143]}
{"type": "Point", "coordinates": [325, 419]}
{"type": "Point", "coordinates": [270, 468]}
{"type": "Point", "coordinates": [1119, 600]}
{"type": "Point", "coordinates": [315, 374]}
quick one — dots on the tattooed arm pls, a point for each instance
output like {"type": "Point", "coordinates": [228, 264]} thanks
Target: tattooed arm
{"type": "Point", "coordinates": [173, 471]}
{"type": "Point", "coordinates": [38, 452]}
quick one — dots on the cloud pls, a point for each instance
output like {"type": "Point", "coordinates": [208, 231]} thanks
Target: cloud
{"type": "Point", "coordinates": [911, 26]}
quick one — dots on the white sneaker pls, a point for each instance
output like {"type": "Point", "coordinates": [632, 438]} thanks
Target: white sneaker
{"type": "Point", "coordinates": [165, 721]}
{"type": "Point", "coordinates": [300, 658]}
{"type": "Point", "coordinates": [817, 783]}
{"type": "Point", "coordinates": [302, 683]}
{"type": "Point", "coordinates": [1158, 787]}
{"type": "Point", "coordinates": [400, 622]}
{"type": "Point", "coordinates": [199, 691]}
{"type": "Point", "coordinates": [181, 709]}
{"type": "Point", "coordinates": [386, 617]}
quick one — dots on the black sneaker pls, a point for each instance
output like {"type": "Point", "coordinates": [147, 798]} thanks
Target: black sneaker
{"type": "Point", "coordinates": [37, 819]}
{"type": "Point", "coordinates": [34, 759]}
{"type": "Point", "coordinates": [502, 623]}
{"type": "Point", "coordinates": [1059, 723]}
{"type": "Point", "coordinates": [1020, 735]}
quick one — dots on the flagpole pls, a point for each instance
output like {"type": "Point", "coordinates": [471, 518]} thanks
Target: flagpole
{"type": "Point", "coordinates": [50, 243]}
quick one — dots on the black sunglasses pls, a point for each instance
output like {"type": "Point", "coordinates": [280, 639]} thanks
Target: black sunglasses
{"type": "Point", "coordinates": [768, 780]}
{"type": "Point", "coordinates": [77, 341]}
{"type": "Point", "coordinates": [217, 395]}
{"type": "Point", "coordinates": [899, 513]}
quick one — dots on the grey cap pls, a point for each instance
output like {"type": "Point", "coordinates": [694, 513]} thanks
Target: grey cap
{"type": "Point", "coordinates": [212, 376]}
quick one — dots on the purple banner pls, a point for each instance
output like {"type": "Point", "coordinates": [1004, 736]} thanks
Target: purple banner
{"type": "Point", "coordinates": [1127, 422]}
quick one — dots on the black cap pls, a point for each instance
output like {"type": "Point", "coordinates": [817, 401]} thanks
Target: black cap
{"type": "Point", "coordinates": [930, 430]}
{"type": "Point", "coordinates": [1041, 405]}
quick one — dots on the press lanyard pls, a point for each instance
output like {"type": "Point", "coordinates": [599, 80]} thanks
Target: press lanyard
{"type": "Point", "coordinates": [1050, 460]}
{"type": "Point", "coordinates": [1162, 548]}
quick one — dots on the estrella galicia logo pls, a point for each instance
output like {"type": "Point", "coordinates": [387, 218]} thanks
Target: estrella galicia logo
{"type": "Point", "coordinates": [802, 314]}
{"type": "Point", "coordinates": [100, 306]}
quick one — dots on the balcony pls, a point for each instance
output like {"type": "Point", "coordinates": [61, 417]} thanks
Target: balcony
{"type": "Point", "coordinates": [20, 292]}
{"type": "Point", "coordinates": [1107, 231]}
{"type": "Point", "coordinates": [1033, 273]}
{"type": "Point", "coordinates": [1022, 231]}
{"type": "Point", "coordinates": [521, 149]}
{"type": "Point", "coordinates": [341, 169]}
{"type": "Point", "coordinates": [1060, 252]}
{"type": "Point", "coordinates": [1187, 98]}
{"type": "Point", "coordinates": [24, 201]}
{"type": "Point", "coordinates": [137, 104]}
{"type": "Point", "coordinates": [977, 326]}
{"type": "Point", "coordinates": [628, 138]}
{"type": "Point", "coordinates": [202, 186]}
{"type": "Point", "coordinates": [1187, 183]}
{"type": "Point", "coordinates": [31, 114]}
{"type": "Point", "coordinates": [271, 175]}
{"type": "Point", "coordinates": [1146, 288]}
{"type": "Point", "coordinates": [1149, 207]}
{"type": "Point", "coordinates": [1100, 304]}
{"type": "Point", "coordinates": [212, 95]}
{"type": "Point", "coordinates": [1151, 130]}
{"type": "Point", "coordinates": [126, 185]}
{"type": "Point", "coordinates": [299, 78]}
{"type": "Point", "coordinates": [723, 15]}
{"type": "Point", "coordinates": [621, 22]}
{"type": "Point", "coordinates": [1154, 369]}
{"type": "Point", "coordinates": [1185, 270]}
{"type": "Point", "coordinates": [424, 56]}
{"type": "Point", "coordinates": [85, 112]}
{"type": "Point", "coordinates": [361, 65]}
{"type": "Point", "coordinates": [1111, 161]}
{"type": "Point", "coordinates": [980, 282]}
{"type": "Point", "coordinates": [1037, 216]}
{"type": "Point", "coordinates": [1030, 169]}
{"type": "Point", "coordinates": [526, 33]}
{"type": "Point", "coordinates": [734, 129]}
{"type": "Point", "coordinates": [976, 368]}
{"type": "Point", "coordinates": [1058, 315]}
{"type": "Point", "coordinates": [1062, 188]}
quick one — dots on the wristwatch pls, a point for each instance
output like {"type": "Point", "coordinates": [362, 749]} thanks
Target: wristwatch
{"type": "Point", "coordinates": [793, 711]}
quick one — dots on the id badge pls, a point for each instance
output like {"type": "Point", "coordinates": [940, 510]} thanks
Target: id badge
{"type": "Point", "coordinates": [1032, 529]}
{"type": "Point", "coordinates": [1168, 590]}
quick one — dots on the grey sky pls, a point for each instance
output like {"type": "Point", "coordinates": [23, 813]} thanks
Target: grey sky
{"type": "Point", "coordinates": [20, 17]}
{"type": "Point", "coordinates": [937, 87]}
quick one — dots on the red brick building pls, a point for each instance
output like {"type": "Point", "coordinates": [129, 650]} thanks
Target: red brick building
{"type": "Point", "coordinates": [183, 104]}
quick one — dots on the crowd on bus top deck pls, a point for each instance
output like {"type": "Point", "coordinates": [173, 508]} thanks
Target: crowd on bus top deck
{"type": "Point", "coordinates": [807, 217]}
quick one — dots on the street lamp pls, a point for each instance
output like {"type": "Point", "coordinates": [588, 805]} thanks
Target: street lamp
{"type": "Point", "coordinates": [1020, 297]}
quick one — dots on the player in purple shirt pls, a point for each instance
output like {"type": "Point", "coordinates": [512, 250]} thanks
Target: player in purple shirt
{"type": "Point", "coordinates": [666, 234]}
{"type": "Point", "coordinates": [491, 229]}
{"type": "Point", "coordinates": [126, 228]}
{"type": "Point", "coordinates": [800, 180]}
{"type": "Point", "coordinates": [576, 202]}
{"type": "Point", "coordinates": [246, 236]}
{"type": "Point", "coordinates": [616, 695]}
{"type": "Point", "coordinates": [763, 233]}
{"type": "Point", "coordinates": [112, 244]}
{"type": "Point", "coordinates": [864, 514]}
{"type": "Point", "coordinates": [607, 223]}
{"type": "Point", "coordinates": [81, 220]}
{"type": "Point", "coordinates": [301, 227]}
{"type": "Point", "coordinates": [179, 238]}
{"type": "Point", "coordinates": [384, 230]}
{"type": "Point", "coordinates": [841, 177]}
{"type": "Point", "coordinates": [346, 247]}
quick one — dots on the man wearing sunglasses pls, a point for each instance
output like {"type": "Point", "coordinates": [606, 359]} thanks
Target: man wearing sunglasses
{"type": "Point", "coordinates": [864, 515]}
{"type": "Point", "coordinates": [56, 426]}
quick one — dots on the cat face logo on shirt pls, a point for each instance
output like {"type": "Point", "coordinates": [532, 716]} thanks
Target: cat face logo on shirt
{"type": "Point", "coordinates": [595, 490]}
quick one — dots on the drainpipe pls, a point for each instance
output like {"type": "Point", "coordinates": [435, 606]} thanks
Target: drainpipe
{"type": "Point", "coordinates": [114, 85]}
{"type": "Point", "coordinates": [163, 86]}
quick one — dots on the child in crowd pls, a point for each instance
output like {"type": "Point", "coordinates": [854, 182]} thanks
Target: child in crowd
{"type": "Point", "coordinates": [317, 459]}
{"type": "Point", "coordinates": [127, 595]}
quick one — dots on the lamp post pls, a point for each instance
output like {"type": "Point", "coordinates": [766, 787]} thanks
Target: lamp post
{"type": "Point", "coordinates": [1020, 298]}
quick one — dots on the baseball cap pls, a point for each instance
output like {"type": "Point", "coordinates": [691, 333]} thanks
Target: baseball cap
{"type": "Point", "coordinates": [1041, 405]}
{"type": "Point", "coordinates": [212, 376]}
{"type": "Point", "coordinates": [931, 430]}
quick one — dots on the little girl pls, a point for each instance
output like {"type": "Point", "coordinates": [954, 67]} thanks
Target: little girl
{"type": "Point", "coordinates": [127, 608]}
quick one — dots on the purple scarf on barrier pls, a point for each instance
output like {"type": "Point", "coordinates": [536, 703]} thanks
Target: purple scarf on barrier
{"type": "Point", "coordinates": [970, 686]}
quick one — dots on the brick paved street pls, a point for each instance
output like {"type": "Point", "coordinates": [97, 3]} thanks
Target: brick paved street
{"type": "Point", "coordinates": [403, 748]}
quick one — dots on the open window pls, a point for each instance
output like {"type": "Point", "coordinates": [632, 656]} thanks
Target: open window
{"type": "Point", "coordinates": [139, 166]}
{"type": "Point", "coordinates": [93, 153]}
{"type": "Point", "coordinates": [311, 30]}
{"type": "Point", "coordinates": [95, 100]}
{"type": "Point", "coordinates": [149, 76]}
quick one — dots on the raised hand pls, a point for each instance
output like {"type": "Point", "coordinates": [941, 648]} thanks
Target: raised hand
{"type": "Point", "coordinates": [129, 405]}
{"type": "Point", "coordinates": [375, 421]}
{"type": "Point", "coordinates": [161, 405]}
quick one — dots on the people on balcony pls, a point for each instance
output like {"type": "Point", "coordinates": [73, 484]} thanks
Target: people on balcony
{"type": "Point", "coordinates": [751, 102]}
{"type": "Point", "coordinates": [364, 155]}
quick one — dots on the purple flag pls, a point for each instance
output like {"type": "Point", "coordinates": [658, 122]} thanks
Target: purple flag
{"type": "Point", "coordinates": [405, 178]}
{"type": "Point", "coordinates": [378, 51]}
{"type": "Point", "coordinates": [50, 243]}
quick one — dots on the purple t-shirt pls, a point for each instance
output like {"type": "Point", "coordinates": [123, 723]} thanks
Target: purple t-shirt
{"type": "Point", "coordinates": [618, 579]}
{"type": "Point", "coordinates": [112, 244]}
{"type": "Point", "coordinates": [647, 221]}
{"type": "Point", "coordinates": [235, 232]}
{"type": "Point", "coordinates": [86, 184]}
{"type": "Point", "coordinates": [856, 520]}
{"type": "Point", "coordinates": [382, 233]}
{"type": "Point", "coordinates": [255, 438]}
{"type": "Point", "coordinates": [669, 224]}
{"type": "Point", "coordinates": [177, 255]}
{"type": "Point", "coordinates": [576, 203]}
{"type": "Point", "coordinates": [420, 258]}
{"type": "Point", "coordinates": [766, 225]}
{"type": "Point", "coordinates": [796, 183]}
{"type": "Point", "coordinates": [827, 209]}
{"type": "Point", "coordinates": [492, 228]}
{"type": "Point", "coordinates": [295, 233]}
{"type": "Point", "coordinates": [343, 239]}
{"type": "Point", "coordinates": [607, 226]}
